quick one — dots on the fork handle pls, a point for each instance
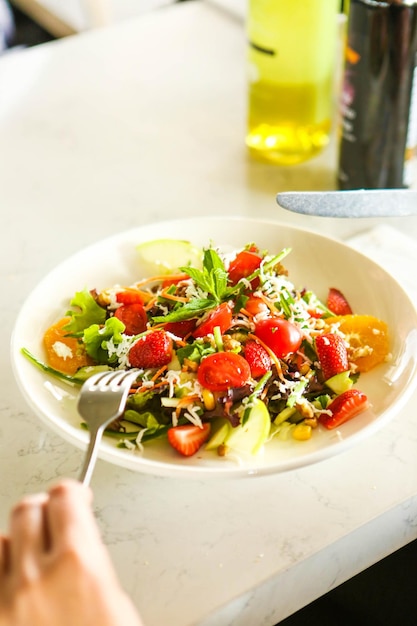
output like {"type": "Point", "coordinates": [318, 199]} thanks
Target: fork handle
{"type": "Point", "coordinates": [91, 455]}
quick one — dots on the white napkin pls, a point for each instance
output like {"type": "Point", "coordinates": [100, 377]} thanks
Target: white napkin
{"type": "Point", "coordinates": [395, 251]}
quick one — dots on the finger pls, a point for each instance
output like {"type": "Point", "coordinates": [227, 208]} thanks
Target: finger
{"type": "Point", "coordinates": [27, 536]}
{"type": "Point", "coordinates": [4, 555]}
{"type": "Point", "coordinates": [70, 520]}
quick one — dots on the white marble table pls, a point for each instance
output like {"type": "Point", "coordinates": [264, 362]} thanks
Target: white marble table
{"type": "Point", "coordinates": [136, 123]}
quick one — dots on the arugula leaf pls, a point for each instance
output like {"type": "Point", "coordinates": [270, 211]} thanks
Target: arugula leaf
{"type": "Point", "coordinates": [49, 370]}
{"type": "Point", "coordinates": [88, 312]}
{"type": "Point", "coordinates": [297, 392]}
{"type": "Point", "coordinates": [286, 300]}
{"type": "Point", "coordinates": [145, 419]}
{"type": "Point", "coordinates": [78, 378]}
{"type": "Point", "coordinates": [96, 339]}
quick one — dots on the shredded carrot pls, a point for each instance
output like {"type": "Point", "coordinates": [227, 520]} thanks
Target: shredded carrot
{"type": "Point", "coordinates": [158, 373]}
{"type": "Point", "coordinates": [184, 401]}
{"type": "Point", "coordinates": [245, 312]}
{"type": "Point", "coordinates": [180, 342]}
{"type": "Point", "coordinates": [272, 354]}
{"type": "Point", "coordinates": [150, 303]}
{"type": "Point", "coordinates": [170, 296]}
{"type": "Point", "coordinates": [156, 386]}
{"type": "Point", "coordinates": [269, 303]}
{"type": "Point", "coordinates": [144, 295]}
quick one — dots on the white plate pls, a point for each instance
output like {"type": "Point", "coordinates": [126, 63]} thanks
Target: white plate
{"type": "Point", "coordinates": [316, 262]}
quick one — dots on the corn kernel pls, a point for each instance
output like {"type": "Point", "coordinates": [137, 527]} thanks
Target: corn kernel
{"type": "Point", "coordinates": [302, 432]}
{"type": "Point", "coordinates": [222, 450]}
{"type": "Point", "coordinates": [208, 400]}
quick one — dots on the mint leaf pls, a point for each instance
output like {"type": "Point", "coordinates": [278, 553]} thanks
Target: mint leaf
{"type": "Point", "coordinates": [213, 277]}
{"type": "Point", "coordinates": [88, 312]}
{"type": "Point", "coordinates": [191, 309]}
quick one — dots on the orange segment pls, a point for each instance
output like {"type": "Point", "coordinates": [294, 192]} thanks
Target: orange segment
{"type": "Point", "coordinates": [367, 338]}
{"type": "Point", "coordinates": [64, 353]}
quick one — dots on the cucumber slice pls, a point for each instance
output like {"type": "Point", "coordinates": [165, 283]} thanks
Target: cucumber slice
{"type": "Point", "coordinates": [253, 434]}
{"type": "Point", "coordinates": [165, 256]}
{"type": "Point", "coordinates": [340, 382]}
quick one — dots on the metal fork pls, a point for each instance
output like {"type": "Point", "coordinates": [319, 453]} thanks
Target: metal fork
{"type": "Point", "coordinates": [102, 400]}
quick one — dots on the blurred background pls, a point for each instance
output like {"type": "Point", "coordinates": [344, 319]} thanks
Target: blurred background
{"type": "Point", "coordinates": [31, 22]}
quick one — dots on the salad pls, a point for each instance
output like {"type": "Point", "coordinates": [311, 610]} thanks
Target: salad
{"type": "Point", "coordinates": [229, 353]}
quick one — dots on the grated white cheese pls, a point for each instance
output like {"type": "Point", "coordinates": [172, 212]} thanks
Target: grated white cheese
{"type": "Point", "coordinates": [192, 415]}
{"type": "Point", "coordinates": [129, 445]}
{"type": "Point", "coordinates": [62, 350]}
{"type": "Point", "coordinates": [121, 350]}
{"type": "Point", "coordinates": [193, 291]}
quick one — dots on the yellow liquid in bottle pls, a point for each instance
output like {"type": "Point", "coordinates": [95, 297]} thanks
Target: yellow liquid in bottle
{"type": "Point", "coordinates": [291, 61]}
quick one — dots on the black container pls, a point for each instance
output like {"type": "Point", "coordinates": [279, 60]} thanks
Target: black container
{"type": "Point", "coordinates": [379, 96]}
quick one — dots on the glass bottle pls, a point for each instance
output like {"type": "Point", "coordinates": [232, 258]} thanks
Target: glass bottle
{"type": "Point", "coordinates": [292, 58]}
{"type": "Point", "coordinates": [379, 95]}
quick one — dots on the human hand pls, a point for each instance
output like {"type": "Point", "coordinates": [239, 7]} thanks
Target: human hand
{"type": "Point", "coordinates": [54, 568]}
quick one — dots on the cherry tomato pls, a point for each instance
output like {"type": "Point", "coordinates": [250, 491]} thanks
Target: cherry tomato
{"type": "Point", "coordinates": [129, 296]}
{"type": "Point", "coordinates": [255, 305]}
{"type": "Point", "coordinates": [180, 329]}
{"type": "Point", "coordinates": [223, 370]}
{"type": "Point", "coordinates": [133, 317]}
{"type": "Point", "coordinates": [280, 335]}
{"type": "Point", "coordinates": [221, 316]}
{"type": "Point", "coordinates": [243, 265]}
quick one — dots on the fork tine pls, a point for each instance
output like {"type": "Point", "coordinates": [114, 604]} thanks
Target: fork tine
{"type": "Point", "coordinates": [105, 379]}
{"type": "Point", "coordinates": [102, 400]}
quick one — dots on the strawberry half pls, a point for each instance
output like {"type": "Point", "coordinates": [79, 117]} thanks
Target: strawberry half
{"type": "Point", "coordinates": [151, 351]}
{"type": "Point", "coordinates": [344, 407]}
{"type": "Point", "coordinates": [332, 354]}
{"type": "Point", "coordinates": [337, 302]}
{"type": "Point", "coordinates": [188, 439]}
{"type": "Point", "coordinates": [258, 358]}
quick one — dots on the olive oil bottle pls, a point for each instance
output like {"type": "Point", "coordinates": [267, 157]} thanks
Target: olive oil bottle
{"type": "Point", "coordinates": [292, 55]}
{"type": "Point", "coordinates": [378, 147]}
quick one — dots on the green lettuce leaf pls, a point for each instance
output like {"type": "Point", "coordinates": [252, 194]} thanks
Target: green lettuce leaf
{"type": "Point", "coordinates": [87, 312]}
{"type": "Point", "coordinates": [194, 351]}
{"type": "Point", "coordinates": [96, 339]}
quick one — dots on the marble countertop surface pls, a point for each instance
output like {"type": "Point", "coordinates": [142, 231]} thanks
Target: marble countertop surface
{"type": "Point", "coordinates": [137, 123]}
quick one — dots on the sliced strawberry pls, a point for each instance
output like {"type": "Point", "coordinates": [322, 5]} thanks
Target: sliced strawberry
{"type": "Point", "coordinates": [133, 317]}
{"type": "Point", "coordinates": [344, 407]}
{"type": "Point", "coordinates": [337, 302]}
{"type": "Point", "coordinates": [332, 354]}
{"type": "Point", "coordinates": [189, 438]}
{"type": "Point", "coordinates": [151, 351]}
{"type": "Point", "coordinates": [258, 358]}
